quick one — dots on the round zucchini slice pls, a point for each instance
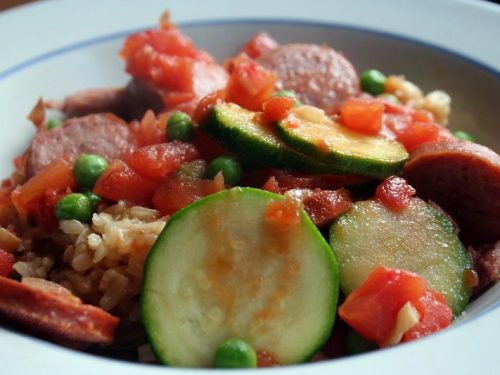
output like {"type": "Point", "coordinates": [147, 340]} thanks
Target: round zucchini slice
{"type": "Point", "coordinates": [418, 239]}
{"type": "Point", "coordinates": [341, 149]}
{"type": "Point", "coordinates": [239, 130]}
{"type": "Point", "coordinates": [242, 263]}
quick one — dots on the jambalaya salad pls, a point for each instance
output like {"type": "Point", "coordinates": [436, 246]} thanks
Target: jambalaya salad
{"type": "Point", "coordinates": [276, 209]}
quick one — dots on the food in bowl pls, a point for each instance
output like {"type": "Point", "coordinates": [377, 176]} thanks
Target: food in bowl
{"type": "Point", "coordinates": [251, 214]}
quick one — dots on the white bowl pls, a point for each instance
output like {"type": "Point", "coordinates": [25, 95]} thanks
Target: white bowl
{"type": "Point", "coordinates": [54, 48]}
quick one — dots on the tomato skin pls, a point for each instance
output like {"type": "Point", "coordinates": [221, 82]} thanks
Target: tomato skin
{"type": "Point", "coordinates": [435, 315]}
{"type": "Point", "coordinates": [266, 359]}
{"type": "Point", "coordinates": [6, 262]}
{"type": "Point", "coordinates": [363, 115]}
{"type": "Point", "coordinates": [250, 84]}
{"type": "Point", "coordinates": [395, 193]}
{"type": "Point", "coordinates": [277, 108]}
{"type": "Point", "coordinates": [156, 162]}
{"type": "Point", "coordinates": [177, 192]}
{"type": "Point", "coordinates": [259, 44]}
{"type": "Point", "coordinates": [151, 129]}
{"type": "Point", "coordinates": [372, 308]}
{"type": "Point", "coordinates": [120, 182]}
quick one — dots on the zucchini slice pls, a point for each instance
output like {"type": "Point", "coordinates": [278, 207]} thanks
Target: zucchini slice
{"type": "Point", "coordinates": [418, 239]}
{"type": "Point", "coordinates": [239, 130]}
{"type": "Point", "coordinates": [223, 268]}
{"type": "Point", "coordinates": [343, 150]}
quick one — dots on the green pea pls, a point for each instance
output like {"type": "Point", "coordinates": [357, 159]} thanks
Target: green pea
{"type": "Point", "coordinates": [357, 344]}
{"type": "Point", "coordinates": [372, 81]}
{"type": "Point", "coordinates": [289, 93]}
{"type": "Point", "coordinates": [53, 123]}
{"type": "Point", "coordinates": [180, 127]}
{"type": "Point", "coordinates": [229, 166]}
{"type": "Point", "coordinates": [390, 98]}
{"type": "Point", "coordinates": [464, 136]}
{"type": "Point", "coordinates": [94, 198]}
{"type": "Point", "coordinates": [235, 353]}
{"type": "Point", "coordinates": [87, 170]}
{"type": "Point", "coordinates": [74, 206]}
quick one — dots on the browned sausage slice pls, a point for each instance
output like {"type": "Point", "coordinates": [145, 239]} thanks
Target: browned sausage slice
{"type": "Point", "coordinates": [464, 179]}
{"type": "Point", "coordinates": [318, 75]}
{"type": "Point", "coordinates": [101, 100]}
{"type": "Point", "coordinates": [102, 134]}
{"type": "Point", "coordinates": [51, 310]}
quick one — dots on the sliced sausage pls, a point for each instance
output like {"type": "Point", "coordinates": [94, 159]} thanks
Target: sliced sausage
{"type": "Point", "coordinates": [102, 134]}
{"type": "Point", "coordinates": [464, 179]}
{"type": "Point", "coordinates": [317, 74]}
{"type": "Point", "coordinates": [102, 100]}
{"type": "Point", "coordinates": [52, 311]}
{"type": "Point", "coordinates": [142, 95]}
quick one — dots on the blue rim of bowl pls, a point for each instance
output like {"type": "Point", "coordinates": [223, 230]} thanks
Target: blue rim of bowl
{"type": "Point", "coordinates": [256, 21]}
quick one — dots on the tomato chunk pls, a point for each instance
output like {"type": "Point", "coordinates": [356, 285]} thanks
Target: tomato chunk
{"type": "Point", "coordinates": [435, 315]}
{"type": "Point", "coordinates": [39, 195]}
{"type": "Point", "coordinates": [177, 192]}
{"type": "Point", "coordinates": [372, 308]}
{"type": "Point", "coordinates": [120, 182]}
{"type": "Point", "coordinates": [395, 193]}
{"type": "Point", "coordinates": [6, 262]}
{"type": "Point", "coordinates": [411, 127]}
{"type": "Point", "coordinates": [250, 84]}
{"type": "Point", "coordinates": [277, 108]}
{"type": "Point", "coordinates": [260, 43]}
{"type": "Point", "coordinates": [156, 162]}
{"type": "Point", "coordinates": [363, 115]}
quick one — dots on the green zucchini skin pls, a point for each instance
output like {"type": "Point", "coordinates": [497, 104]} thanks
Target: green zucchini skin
{"type": "Point", "coordinates": [256, 145]}
{"type": "Point", "coordinates": [166, 271]}
{"type": "Point", "coordinates": [418, 239]}
{"type": "Point", "coordinates": [343, 151]}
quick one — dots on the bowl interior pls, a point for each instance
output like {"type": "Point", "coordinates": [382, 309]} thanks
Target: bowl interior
{"type": "Point", "coordinates": [474, 89]}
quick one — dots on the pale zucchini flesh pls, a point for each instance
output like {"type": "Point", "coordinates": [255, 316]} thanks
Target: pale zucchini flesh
{"type": "Point", "coordinates": [343, 150]}
{"type": "Point", "coordinates": [218, 271]}
{"type": "Point", "coordinates": [417, 239]}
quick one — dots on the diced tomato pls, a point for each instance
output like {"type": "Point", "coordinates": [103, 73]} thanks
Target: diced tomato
{"type": "Point", "coordinates": [266, 359]}
{"type": "Point", "coordinates": [177, 192]}
{"type": "Point", "coordinates": [411, 127]}
{"type": "Point", "coordinates": [395, 193]}
{"type": "Point", "coordinates": [39, 195]}
{"type": "Point", "coordinates": [287, 180]}
{"type": "Point", "coordinates": [168, 41]}
{"type": "Point", "coordinates": [283, 214]}
{"type": "Point", "coordinates": [271, 185]}
{"type": "Point", "coordinates": [205, 104]}
{"type": "Point", "coordinates": [363, 115]}
{"type": "Point", "coordinates": [158, 161]}
{"type": "Point", "coordinates": [277, 108]}
{"type": "Point", "coordinates": [435, 315]}
{"type": "Point", "coordinates": [372, 308]}
{"type": "Point", "coordinates": [6, 262]}
{"type": "Point", "coordinates": [151, 130]}
{"type": "Point", "coordinates": [324, 206]}
{"type": "Point", "coordinates": [120, 182]}
{"type": "Point", "coordinates": [250, 84]}
{"type": "Point", "coordinates": [259, 44]}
